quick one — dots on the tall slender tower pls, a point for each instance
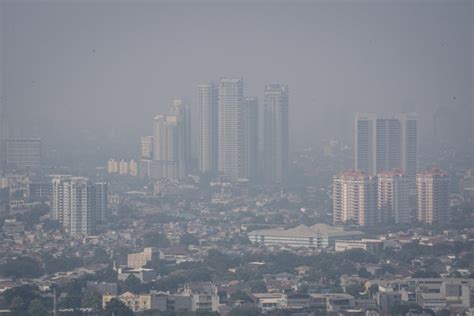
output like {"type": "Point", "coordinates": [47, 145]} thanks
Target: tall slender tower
{"type": "Point", "coordinates": [181, 109]}
{"type": "Point", "coordinates": [275, 133]}
{"type": "Point", "coordinates": [392, 197]}
{"type": "Point", "coordinates": [168, 150]}
{"type": "Point", "coordinates": [355, 198]}
{"type": "Point", "coordinates": [432, 187]}
{"type": "Point", "coordinates": [233, 160]}
{"type": "Point", "coordinates": [3, 109]}
{"type": "Point", "coordinates": [208, 131]}
{"type": "Point", "coordinates": [251, 136]}
{"type": "Point", "coordinates": [386, 142]}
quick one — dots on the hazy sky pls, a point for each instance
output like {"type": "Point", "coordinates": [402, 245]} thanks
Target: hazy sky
{"type": "Point", "coordinates": [102, 68]}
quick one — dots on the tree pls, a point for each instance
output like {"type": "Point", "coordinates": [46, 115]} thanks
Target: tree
{"type": "Point", "coordinates": [188, 239]}
{"type": "Point", "coordinates": [245, 311]}
{"type": "Point", "coordinates": [131, 284]}
{"type": "Point", "coordinates": [91, 299]}
{"type": "Point", "coordinates": [22, 267]}
{"type": "Point", "coordinates": [37, 308]}
{"type": "Point", "coordinates": [18, 304]}
{"type": "Point", "coordinates": [154, 239]}
{"type": "Point", "coordinates": [117, 308]}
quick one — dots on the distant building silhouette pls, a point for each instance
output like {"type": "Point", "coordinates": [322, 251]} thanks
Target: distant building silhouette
{"type": "Point", "coordinates": [208, 130]}
{"type": "Point", "coordinates": [233, 160]}
{"type": "Point", "coordinates": [386, 142]}
{"type": "Point", "coordinates": [275, 133]}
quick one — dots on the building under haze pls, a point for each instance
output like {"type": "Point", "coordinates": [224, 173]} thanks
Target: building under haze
{"type": "Point", "coordinates": [386, 142]}
{"type": "Point", "coordinates": [275, 133]}
{"type": "Point", "coordinates": [181, 109]}
{"type": "Point", "coordinates": [232, 154]}
{"type": "Point", "coordinates": [168, 149]}
{"type": "Point", "coordinates": [392, 197]}
{"type": "Point", "coordinates": [432, 188]}
{"type": "Point", "coordinates": [78, 204]}
{"type": "Point", "coordinates": [250, 108]}
{"type": "Point", "coordinates": [354, 199]}
{"type": "Point", "coordinates": [22, 153]}
{"type": "Point", "coordinates": [208, 131]}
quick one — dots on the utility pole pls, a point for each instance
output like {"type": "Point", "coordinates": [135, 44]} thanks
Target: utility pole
{"type": "Point", "coordinates": [55, 310]}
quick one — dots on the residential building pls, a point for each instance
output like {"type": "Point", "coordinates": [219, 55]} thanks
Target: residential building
{"type": "Point", "coordinates": [133, 166]}
{"type": "Point", "coordinates": [112, 166]}
{"type": "Point", "coordinates": [250, 108]}
{"type": "Point", "coordinates": [141, 259]}
{"type": "Point", "coordinates": [232, 153]}
{"type": "Point", "coordinates": [182, 110]}
{"type": "Point", "coordinates": [433, 196]}
{"type": "Point", "coordinates": [146, 147]}
{"type": "Point", "coordinates": [208, 128]}
{"type": "Point", "coordinates": [22, 153]}
{"type": "Point", "coordinates": [384, 142]}
{"type": "Point", "coordinates": [123, 167]}
{"type": "Point", "coordinates": [355, 198]}
{"type": "Point", "coordinates": [275, 133]}
{"type": "Point", "coordinates": [392, 197]}
{"type": "Point", "coordinates": [78, 204]}
{"type": "Point", "coordinates": [168, 151]}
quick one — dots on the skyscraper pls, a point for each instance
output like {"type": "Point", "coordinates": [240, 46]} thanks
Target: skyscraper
{"type": "Point", "coordinates": [181, 109]}
{"type": "Point", "coordinates": [23, 153]}
{"type": "Point", "coordinates": [168, 151]}
{"type": "Point", "coordinates": [146, 156]}
{"type": "Point", "coordinates": [355, 199]}
{"type": "Point", "coordinates": [231, 129]}
{"type": "Point", "coordinates": [78, 204]}
{"type": "Point", "coordinates": [208, 131]}
{"type": "Point", "coordinates": [99, 200]}
{"type": "Point", "coordinates": [386, 142]}
{"type": "Point", "coordinates": [392, 197]}
{"type": "Point", "coordinates": [251, 136]}
{"type": "Point", "coordinates": [275, 133]}
{"type": "Point", "coordinates": [432, 187]}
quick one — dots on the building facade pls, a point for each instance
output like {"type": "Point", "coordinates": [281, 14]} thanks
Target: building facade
{"type": "Point", "coordinates": [386, 142]}
{"type": "Point", "coordinates": [232, 154]}
{"type": "Point", "coordinates": [392, 197]}
{"type": "Point", "coordinates": [78, 204]}
{"type": "Point", "coordinates": [252, 136]}
{"type": "Point", "coordinates": [355, 199]}
{"type": "Point", "coordinates": [275, 133]}
{"type": "Point", "coordinates": [22, 153]}
{"type": "Point", "coordinates": [168, 154]}
{"type": "Point", "coordinates": [433, 196]}
{"type": "Point", "coordinates": [208, 128]}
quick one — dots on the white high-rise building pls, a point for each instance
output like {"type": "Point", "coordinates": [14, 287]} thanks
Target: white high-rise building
{"type": "Point", "coordinates": [123, 167]}
{"type": "Point", "coordinates": [432, 188]}
{"type": "Point", "coordinates": [275, 133]}
{"type": "Point", "coordinates": [386, 142]}
{"type": "Point", "coordinates": [112, 166]}
{"type": "Point", "coordinates": [208, 132]}
{"type": "Point", "coordinates": [168, 148]}
{"type": "Point", "coordinates": [78, 204]}
{"type": "Point", "coordinates": [146, 148]}
{"type": "Point", "coordinates": [233, 160]}
{"type": "Point", "coordinates": [251, 136]}
{"type": "Point", "coordinates": [392, 197]}
{"type": "Point", "coordinates": [355, 199]}
{"type": "Point", "coordinates": [133, 166]}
